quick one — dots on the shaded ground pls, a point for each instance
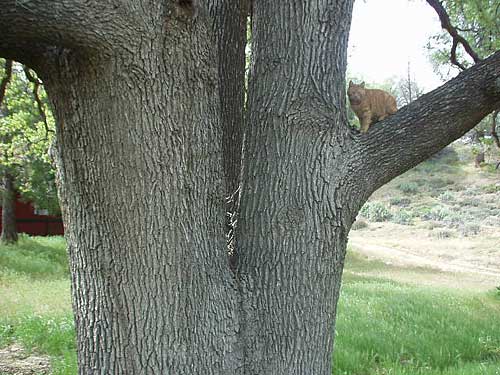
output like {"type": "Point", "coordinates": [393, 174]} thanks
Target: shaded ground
{"type": "Point", "coordinates": [14, 360]}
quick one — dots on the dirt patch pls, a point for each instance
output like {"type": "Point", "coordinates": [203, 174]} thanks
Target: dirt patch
{"type": "Point", "coordinates": [14, 360]}
{"type": "Point", "coordinates": [471, 263]}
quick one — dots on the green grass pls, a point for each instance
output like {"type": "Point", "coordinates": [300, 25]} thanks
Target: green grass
{"type": "Point", "coordinates": [383, 327]}
{"type": "Point", "coordinates": [35, 305]}
{"type": "Point", "coordinates": [36, 257]}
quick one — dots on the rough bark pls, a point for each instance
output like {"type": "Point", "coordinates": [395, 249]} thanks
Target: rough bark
{"type": "Point", "coordinates": [9, 229]}
{"type": "Point", "coordinates": [291, 235]}
{"type": "Point", "coordinates": [139, 145]}
{"type": "Point", "coordinates": [229, 22]}
{"type": "Point", "coordinates": [230, 27]}
{"type": "Point", "coordinates": [140, 181]}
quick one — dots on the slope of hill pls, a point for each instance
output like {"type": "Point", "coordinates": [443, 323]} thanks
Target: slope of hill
{"type": "Point", "coordinates": [443, 215]}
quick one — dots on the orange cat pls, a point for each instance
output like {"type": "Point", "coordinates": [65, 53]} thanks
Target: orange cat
{"type": "Point", "coordinates": [370, 105]}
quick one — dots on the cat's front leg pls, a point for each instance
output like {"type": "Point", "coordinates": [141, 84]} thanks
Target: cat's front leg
{"type": "Point", "coordinates": [365, 121]}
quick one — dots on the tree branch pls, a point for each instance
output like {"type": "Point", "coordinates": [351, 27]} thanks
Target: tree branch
{"type": "Point", "coordinates": [36, 86]}
{"type": "Point", "coordinates": [74, 24]}
{"type": "Point", "coordinates": [427, 125]}
{"type": "Point", "coordinates": [457, 38]}
{"type": "Point", "coordinates": [5, 80]}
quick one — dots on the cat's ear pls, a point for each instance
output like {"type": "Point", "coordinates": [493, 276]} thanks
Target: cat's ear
{"type": "Point", "coordinates": [362, 84]}
{"type": "Point", "coordinates": [350, 83]}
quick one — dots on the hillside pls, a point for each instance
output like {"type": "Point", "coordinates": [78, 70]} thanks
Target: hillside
{"type": "Point", "coordinates": [443, 215]}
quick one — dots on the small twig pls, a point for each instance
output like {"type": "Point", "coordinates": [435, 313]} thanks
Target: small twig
{"type": "Point", "coordinates": [5, 80]}
{"type": "Point", "coordinates": [36, 86]}
{"type": "Point", "coordinates": [457, 38]}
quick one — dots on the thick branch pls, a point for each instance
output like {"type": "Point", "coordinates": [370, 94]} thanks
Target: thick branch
{"type": "Point", "coordinates": [427, 125]}
{"type": "Point", "coordinates": [74, 24]}
{"type": "Point", "coordinates": [457, 38]}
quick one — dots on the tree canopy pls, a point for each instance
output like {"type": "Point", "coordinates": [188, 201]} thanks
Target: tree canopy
{"type": "Point", "coordinates": [26, 130]}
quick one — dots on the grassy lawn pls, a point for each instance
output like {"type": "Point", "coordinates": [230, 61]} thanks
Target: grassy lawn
{"type": "Point", "coordinates": [383, 327]}
{"type": "Point", "coordinates": [35, 305]}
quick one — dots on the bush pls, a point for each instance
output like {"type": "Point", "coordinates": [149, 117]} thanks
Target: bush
{"type": "Point", "coordinates": [490, 189]}
{"type": "Point", "coordinates": [471, 191]}
{"type": "Point", "coordinates": [408, 187]}
{"type": "Point", "coordinates": [376, 211]}
{"type": "Point", "coordinates": [447, 197]}
{"type": "Point", "coordinates": [400, 201]}
{"type": "Point", "coordinates": [439, 183]}
{"type": "Point", "coordinates": [470, 229]}
{"type": "Point", "coordinates": [403, 217]}
{"type": "Point", "coordinates": [471, 201]}
{"type": "Point", "coordinates": [438, 213]}
{"type": "Point", "coordinates": [441, 234]}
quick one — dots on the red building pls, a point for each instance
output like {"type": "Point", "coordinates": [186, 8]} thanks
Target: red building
{"type": "Point", "coordinates": [35, 222]}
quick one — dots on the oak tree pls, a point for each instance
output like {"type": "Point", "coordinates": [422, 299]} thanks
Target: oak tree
{"type": "Point", "coordinates": [150, 106]}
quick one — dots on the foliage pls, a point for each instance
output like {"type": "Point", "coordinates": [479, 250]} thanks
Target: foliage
{"type": "Point", "coordinates": [400, 201]}
{"type": "Point", "coordinates": [469, 229]}
{"type": "Point", "coordinates": [478, 21]}
{"type": "Point", "coordinates": [447, 197]}
{"type": "Point", "coordinates": [375, 211]}
{"type": "Point", "coordinates": [408, 187]}
{"type": "Point", "coordinates": [26, 138]}
{"type": "Point", "coordinates": [403, 217]}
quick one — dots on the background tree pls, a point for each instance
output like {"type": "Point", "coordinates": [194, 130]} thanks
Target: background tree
{"type": "Point", "coordinates": [26, 130]}
{"type": "Point", "coordinates": [477, 22]}
{"type": "Point", "coordinates": [474, 25]}
{"type": "Point", "coordinates": [138, 92]}
{"type": "Point", "coordinates": [407, 89]}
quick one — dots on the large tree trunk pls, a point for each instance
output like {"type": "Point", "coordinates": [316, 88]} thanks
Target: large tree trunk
{"type": "Point", "coordinates": [135, 88]}
{"type": "Point", "coordinates": [292, 232]}
{"type": "Point", "coordinates": [140, 172]}
{"type": "Point", "coordinates": [9, 228]}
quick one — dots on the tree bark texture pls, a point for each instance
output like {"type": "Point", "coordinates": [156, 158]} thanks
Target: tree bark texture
{"type": "Point", "coordinates": [9, 228]}
{"type": "Point", "coordinates": [141, 185]}
{"type": "Point", "coordinates": [230, 25]}
{"type": "Point", "coordinates": [291, 231]}
{"type": "Point", "coordinates": [143, 104]}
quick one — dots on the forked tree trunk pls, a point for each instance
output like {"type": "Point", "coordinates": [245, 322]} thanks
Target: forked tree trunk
{"type": "Point", "coordinates": [135, 89]}
{"type": "Point", "coordinates": [9, 228]}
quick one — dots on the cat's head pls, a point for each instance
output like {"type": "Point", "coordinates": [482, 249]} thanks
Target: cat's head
{"type": "Point", "coordinates": [356, 93]}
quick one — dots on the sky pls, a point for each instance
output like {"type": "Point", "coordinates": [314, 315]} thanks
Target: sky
{"type": "Point", "coordinates": [386, 35]}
